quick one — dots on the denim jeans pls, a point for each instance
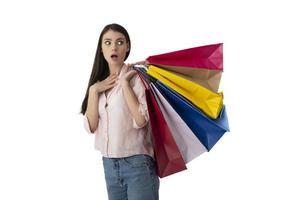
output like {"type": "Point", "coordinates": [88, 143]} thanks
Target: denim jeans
{"type": "Point", "coordinates": [131, 178]}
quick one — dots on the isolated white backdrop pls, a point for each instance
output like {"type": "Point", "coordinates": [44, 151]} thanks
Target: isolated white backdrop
{"type": "Point", "coordinates": [47, 50]}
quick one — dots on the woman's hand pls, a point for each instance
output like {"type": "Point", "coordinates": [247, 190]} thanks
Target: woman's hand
{"type": "Point", "coordinates": [128, 76]}
{"type": "Point", "coordinates": [106, 84]}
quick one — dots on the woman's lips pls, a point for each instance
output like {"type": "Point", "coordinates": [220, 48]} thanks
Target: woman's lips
{"type": "Point", "coordinates": [114, 56]}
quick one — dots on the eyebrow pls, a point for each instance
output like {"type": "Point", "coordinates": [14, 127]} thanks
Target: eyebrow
{"type": "Point", "coordinates": [116, 39]}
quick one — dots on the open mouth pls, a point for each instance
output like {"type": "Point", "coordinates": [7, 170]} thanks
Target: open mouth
{"type": "Point", "coordinates": [114, 56]}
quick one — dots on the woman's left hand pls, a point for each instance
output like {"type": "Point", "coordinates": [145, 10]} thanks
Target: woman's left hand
{"type": "Point", "coordinates": [129, 75]}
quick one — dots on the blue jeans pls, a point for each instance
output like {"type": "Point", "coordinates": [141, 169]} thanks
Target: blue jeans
{"type": "Point", "coordinates": [131, 178]}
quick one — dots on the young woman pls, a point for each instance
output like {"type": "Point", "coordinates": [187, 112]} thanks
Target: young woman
{"type": "Point", "coordinates": [115, 110]}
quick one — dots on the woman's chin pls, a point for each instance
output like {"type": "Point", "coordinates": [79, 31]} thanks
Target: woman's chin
{"type": "Point", "coordinates": [115, 62]}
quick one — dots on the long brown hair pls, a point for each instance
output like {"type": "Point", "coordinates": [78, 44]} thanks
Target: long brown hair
{"type": "Point", "coordinates": [100, 69]}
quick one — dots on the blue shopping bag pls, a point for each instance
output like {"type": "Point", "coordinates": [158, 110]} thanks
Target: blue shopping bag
{"type": "Point", "coordinates": [207, 130]}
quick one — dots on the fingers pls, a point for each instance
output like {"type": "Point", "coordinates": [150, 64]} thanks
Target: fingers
{"type": "Point", "coordinates": [107, 83]}
{"type": "Point", "coordinates": [129, 66]}
{"type": "Point", "coordinates": [128, 76]}
{"type": "Point", "coordinates": [143, 62]}
{"type": "Point", "coordinates": [109, 86]}
{"type": "Point", "coordinates": [131, 73]}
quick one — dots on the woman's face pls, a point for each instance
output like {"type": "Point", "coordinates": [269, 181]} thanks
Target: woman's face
{"type": "Point", "coordinates": [114, 47]}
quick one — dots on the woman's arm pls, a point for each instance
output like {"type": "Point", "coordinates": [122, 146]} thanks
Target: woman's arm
{"type": "Point", "coordinates": [132, 100]}
{"type": "Point", "coordinates": [92, 112]}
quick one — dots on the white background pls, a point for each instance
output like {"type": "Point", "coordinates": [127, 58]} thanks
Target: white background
{"type": "Point", "coordinates": [47, 50]}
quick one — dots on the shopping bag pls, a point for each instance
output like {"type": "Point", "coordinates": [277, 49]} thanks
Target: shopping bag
{"type": "Point", "coordinates": [202, 65]}
{"type": "Point", "coordinates": [189, 145]}
{"type": "Point", "coordinates": [207, 130]}
{"type": "Point", "coordinates": [209, 102]}
{"type": "Point", "coordinates": [168, 157]}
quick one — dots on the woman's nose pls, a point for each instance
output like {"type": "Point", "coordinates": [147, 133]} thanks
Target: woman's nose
{"type": "Point", "coordinates": [114, 46]}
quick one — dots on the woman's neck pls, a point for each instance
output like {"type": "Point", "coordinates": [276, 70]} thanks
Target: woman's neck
{"type": "Point", "coordinates": [115, 69]}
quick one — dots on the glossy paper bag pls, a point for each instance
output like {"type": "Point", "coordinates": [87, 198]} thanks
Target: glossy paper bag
{"type": "Point", "coordinates": [202, 65]}
{"type": "Point", "coordinates": [189, 145]}
{"type": "Point", "coordinates": [209, 102]}
{"type": "Point", "coordinates": [168, 157]}
{"type": "Point", "coordinates": [207, 130]}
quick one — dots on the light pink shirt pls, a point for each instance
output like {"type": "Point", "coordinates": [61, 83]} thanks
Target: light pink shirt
{"type": "Point", "coordinates": [117, 134]}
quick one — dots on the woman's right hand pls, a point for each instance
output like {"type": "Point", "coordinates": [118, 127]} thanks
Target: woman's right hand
{"type": "Point", "coordinates": [106, 84]}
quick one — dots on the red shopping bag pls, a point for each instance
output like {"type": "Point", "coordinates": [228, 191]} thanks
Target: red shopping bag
{"type": "Point", "coordinates": [202, 65]}
{"type": "Point", "coordinates": [168, 157]}
{"type": "Point", "coordinates": [205, 57]}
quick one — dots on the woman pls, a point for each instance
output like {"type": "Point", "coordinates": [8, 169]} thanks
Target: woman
{"type": "Point", "coordinates": [115, 109]}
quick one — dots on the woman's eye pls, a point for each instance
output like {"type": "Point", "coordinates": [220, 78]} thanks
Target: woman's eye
{"type": "Point", "coordinates": [107, 42]}
{"type": "Point", "coordinates": [120, 42]}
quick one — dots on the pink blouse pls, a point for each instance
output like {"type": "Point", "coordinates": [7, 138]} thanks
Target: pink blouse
{"type": "Point", "coordinates": [117, 134]}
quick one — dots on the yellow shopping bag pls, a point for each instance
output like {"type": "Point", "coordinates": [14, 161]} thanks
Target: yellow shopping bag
{"type": "Point", "coordinates": [209, 102]}
{"type": "Point", "coordinates": [208, 78]}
